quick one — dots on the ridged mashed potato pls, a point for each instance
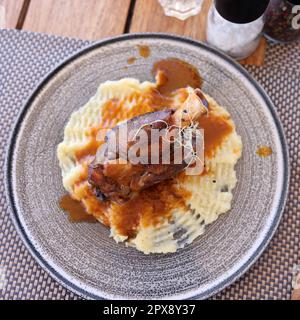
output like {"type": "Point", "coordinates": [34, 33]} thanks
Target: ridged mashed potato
{"type": "Point", "coordinates": [203, 198]}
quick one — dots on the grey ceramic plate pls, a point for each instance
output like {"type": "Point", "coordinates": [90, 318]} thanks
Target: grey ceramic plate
{"type": "Point", "coordinates": [82, 256]}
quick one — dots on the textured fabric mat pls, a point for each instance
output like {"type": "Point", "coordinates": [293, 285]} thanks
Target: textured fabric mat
{"type": "Point", "coordinates": [26, 57]}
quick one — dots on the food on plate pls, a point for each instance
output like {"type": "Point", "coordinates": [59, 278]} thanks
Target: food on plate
{"type": "Point", "coordinates": [264, 151]}
{"type": "Point", "coordinates": [121, 181]}
{"type": "Point", "coordinates": [156, 208]}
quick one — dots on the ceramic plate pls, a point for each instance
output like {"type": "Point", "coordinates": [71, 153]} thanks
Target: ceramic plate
{"type": "Point", "coordinates": [82, 256]}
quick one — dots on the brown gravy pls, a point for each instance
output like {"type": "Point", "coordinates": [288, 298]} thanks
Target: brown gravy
{"type": "Point", "coordinates": [75, 210]}
{"type": "Point", "coordinates": [149, 207]}
{"type": "Point", "coordinates": [216, 129]}
{"type": "Point", "coordinates": [174, 74]}
{"type": "Point", "coordinates": [90, 149]}
{"type": "Point", "coordinates": [131, 60]}
{"type": "Point", "coordinates": [144, 51]}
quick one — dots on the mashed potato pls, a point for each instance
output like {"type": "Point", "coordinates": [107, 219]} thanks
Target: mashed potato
{"type": "Point", "coordinates": [210, 194]}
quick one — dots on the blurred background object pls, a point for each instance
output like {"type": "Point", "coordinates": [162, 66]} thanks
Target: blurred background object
{"type": "Point", "coordinates": [105, 18]}
{"type": "Point", "coordinates": [283, 21]}
{"type": "Point", "coordinates": [181, 9]}
{"type": "Point", "coordinates": [235, 26]}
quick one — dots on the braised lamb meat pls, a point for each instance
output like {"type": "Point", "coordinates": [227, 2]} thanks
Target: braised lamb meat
{"type": "Point", "coordinates": [114, 179]}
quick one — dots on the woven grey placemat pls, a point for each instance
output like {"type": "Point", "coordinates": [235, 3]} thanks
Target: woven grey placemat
{"type": "Point", "coordinates": [26, 57]}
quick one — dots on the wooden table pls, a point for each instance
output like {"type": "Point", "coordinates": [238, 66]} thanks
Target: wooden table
{"type": "Point", "coordinates": [97, 19]}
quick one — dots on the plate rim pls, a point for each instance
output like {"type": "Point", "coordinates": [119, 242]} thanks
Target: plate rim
{"type": "Point", "coordinates": [85, 50]}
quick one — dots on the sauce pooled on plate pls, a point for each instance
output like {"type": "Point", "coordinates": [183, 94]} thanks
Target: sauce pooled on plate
{"type": "Point", "coordinates": [153, 204]}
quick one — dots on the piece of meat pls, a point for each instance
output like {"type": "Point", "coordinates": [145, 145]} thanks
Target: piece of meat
{"type": "Point", "coordinates": [115, 177]}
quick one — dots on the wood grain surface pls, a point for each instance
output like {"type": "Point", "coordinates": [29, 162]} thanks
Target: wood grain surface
{"type": "Point", "coordinates": [96, 19]}
{"type": "Point", "coordinates": [85, 19]}
{"type": "Point", "coordinates": [149, 16]}
{"type": "Point", "coordinates": [258, 56]}
{"type": "Point", "coordinates": [10, 11]}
